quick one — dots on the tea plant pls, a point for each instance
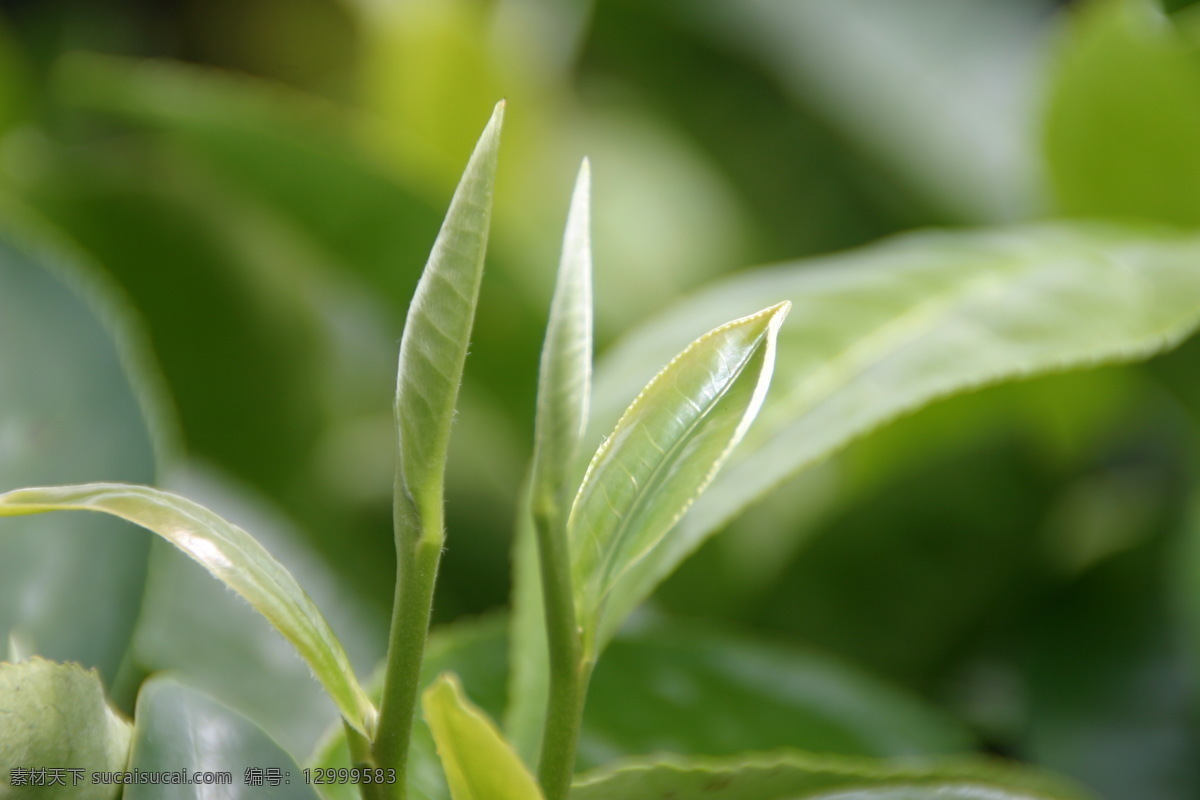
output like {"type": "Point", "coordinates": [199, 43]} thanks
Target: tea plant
{"type": "Point", "coordinates": [870, 336]}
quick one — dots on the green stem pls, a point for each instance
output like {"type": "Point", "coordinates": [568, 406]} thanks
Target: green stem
{"type": "Point", "coordinates": [569, 673]}
{"type": "Point", "coordinates": [360, 756]}
{"type": "Point", "coordinates": [418, 552]}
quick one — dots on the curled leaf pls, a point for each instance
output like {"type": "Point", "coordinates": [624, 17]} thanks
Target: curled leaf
{"type": "Point", "coordinates": [233, 557]}
{"type": "Point", "coordinates": [664, 451]}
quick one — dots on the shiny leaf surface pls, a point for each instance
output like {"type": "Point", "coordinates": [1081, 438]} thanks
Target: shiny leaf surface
{"type": "Point", "coordinates": [663, 452]}
{"type": "Point", "coordinates": [232, 556]}
{"type": "Point", "coordinates": [882, 331]}
{"type": "Point", "coordinates": [181, 729]}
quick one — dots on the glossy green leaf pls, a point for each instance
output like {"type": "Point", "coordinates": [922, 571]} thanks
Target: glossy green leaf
{"type": "Point", "coordinates": [55, 716]}
{"type": "Point", "coordinates": [437, 333]}
{"type": "Point", "coordinates": [78, 402]}
{"type": "Point", "coordinates": [233, 557]}
{"type": "Point", "coordinates": [882, 331]}
{"type": "Point", "coordinates": [479, 763]}
{"type": "Point", "coordinates": [194, 625]}
{"type": "Point", "coordinates": [565, 379]}
{"type": "Point", "coordinates": [180, 731]}
{"type": "Point", "coordinates": [1123, 113]}
{"type": "Point", "coordinates": [794, 775]}
{"type": "Point", "coordinates": [663, 452]}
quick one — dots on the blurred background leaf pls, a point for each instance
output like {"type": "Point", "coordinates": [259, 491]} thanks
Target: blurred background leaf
{"type": "Point", "coordinates": [77, 402]}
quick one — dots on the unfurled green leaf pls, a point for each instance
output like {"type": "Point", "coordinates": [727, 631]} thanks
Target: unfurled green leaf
{"type": "Point", "coordinates": [55, 716]}
{"type": "Point", "coordinates": [437, 332]}
{"type": "Point", "coordinates": [180, 730]}
{"type": "Point", "coordinates": [794, 775]}
{"type": "Point", "coordinates": [565, 379]}
{"type": "Point", "coordinates": [882, 331]}
{"type": "Point", "coordinates": [193, 624]}
{"type": "Point", "coordinates": [479, 763]}
{"type": "Point", "coordinates": [1123, 114]}
{"type": "Point", "coordinates": [233, 557]}
{"type": "Point", "coordinates": [665, 449]}
{"type": "Point", "coordinates": [78, 402]}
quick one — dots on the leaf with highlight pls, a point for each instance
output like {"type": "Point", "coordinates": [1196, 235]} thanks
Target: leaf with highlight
{"type": "Point", "coordinates": [664, 451]}
{"type": "Point", "coordinates": [233, 557]}
{"type": "Point", "coordinates": [437, 332]}
{"type": "Point", "coordinates": [479, 763]}
{"type": "Point", "coordinates": [884, 330]}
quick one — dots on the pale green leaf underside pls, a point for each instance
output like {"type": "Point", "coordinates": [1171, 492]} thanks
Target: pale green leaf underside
{"type": "Point", "coordinates": [881, 331]}
{"type": "Point", "coordinates": [479, 763]}
{"type": "Point", "coordinates": [663, 452]}
{"type": "Point", "coordinates": [794, 775]}
{"type": "Point", "coordinates": [233, 557]}
{"type": "Point", "coordinates": [564, 381]}
{"type": "Point", "coordinates": [55, 715]}
{"type": "Point", "coordinates": [433, 348]}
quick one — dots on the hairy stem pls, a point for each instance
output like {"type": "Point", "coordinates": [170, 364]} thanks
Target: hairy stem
{"type": "Point", "coordinates": [418, 552]}
{"type": "Point", "coordinates": [569, 673]}
{"type": "Point", "coordinates": [361, 757]}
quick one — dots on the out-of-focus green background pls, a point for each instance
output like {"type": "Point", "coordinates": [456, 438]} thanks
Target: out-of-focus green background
{"type": "Point", "coordinates": [260, 181]}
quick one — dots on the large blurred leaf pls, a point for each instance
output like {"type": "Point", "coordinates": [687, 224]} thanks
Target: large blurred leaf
{"type": "Point", "coordinates": [942, 92]}
{"type": "Point", "coordinates": [75, 397]}
{"type": "Point", "coordinates": [233, 557]}
{"type": "Point", "coordinates": [882, 331]}
{"type": "Point", "coordinates": [688, 689]}
{"type": "Point", "coordinates": [55, 716]}
{"type": "Point", "coordinates": [291, 153]}
{"type": "Point", "coordinates": [1123, 114]}
{"type": "Point", "coordinates": [792, 775]}
{"type": "Point", "coordinates": [664, 451]}
{"type": "Point", "coordinates": [1107, 673]}
{"type": "Point", "coordinates": [178, 728]}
